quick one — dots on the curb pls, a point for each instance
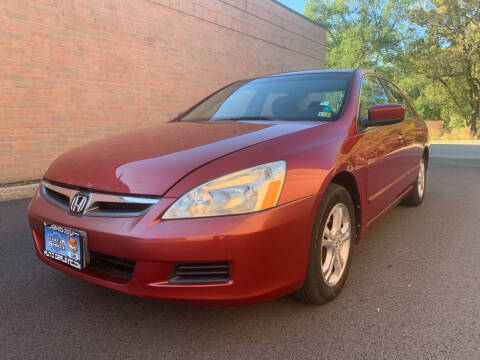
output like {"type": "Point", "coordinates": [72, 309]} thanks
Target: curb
{"type": "Point", "coordinates": [455, 142]}
{"type": "Point", "coordinates": [17, 192]}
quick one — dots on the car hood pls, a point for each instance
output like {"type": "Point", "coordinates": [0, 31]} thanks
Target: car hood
{"type": "Point", "coordinates": [151, 160]}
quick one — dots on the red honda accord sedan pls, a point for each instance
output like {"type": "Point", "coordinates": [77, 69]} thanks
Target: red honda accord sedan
{"type": "Point", "coordinates": [260, 190]}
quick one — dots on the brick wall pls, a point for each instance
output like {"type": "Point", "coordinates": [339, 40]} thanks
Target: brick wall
{"type": "Point", "coordinates": [75, 70]}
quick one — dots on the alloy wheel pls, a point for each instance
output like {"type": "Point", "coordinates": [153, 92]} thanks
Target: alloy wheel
{"type": "Point", "coordinates": [335, 246]}
{"type": "Point", "coordinates": [421, 178]}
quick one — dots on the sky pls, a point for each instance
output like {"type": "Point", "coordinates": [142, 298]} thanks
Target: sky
{"type": "Point", "coordinates": [297, 5]}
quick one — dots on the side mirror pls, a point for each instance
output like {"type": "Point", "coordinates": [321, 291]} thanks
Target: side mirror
{"type": "Point", "coordinates": [385, 114]}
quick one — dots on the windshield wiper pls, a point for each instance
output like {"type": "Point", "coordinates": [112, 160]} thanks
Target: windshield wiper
{"type": "Point", "coordinates": [249, 118]}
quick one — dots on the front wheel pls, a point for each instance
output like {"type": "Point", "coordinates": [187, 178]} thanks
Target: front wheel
{"type": "Point", "coordinates": [330, 248]}
{"type": "Point", "coordinates": [415, 197]}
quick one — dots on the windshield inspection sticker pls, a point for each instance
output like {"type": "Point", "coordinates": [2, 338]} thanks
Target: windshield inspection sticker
{"type": "Point", "coordinates": [324, 114]}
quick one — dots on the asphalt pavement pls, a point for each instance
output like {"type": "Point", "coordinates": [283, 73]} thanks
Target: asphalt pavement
{"type": "Point", "coordinates": [413, 293]}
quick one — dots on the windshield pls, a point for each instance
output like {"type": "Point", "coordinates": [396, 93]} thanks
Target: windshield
{"type": "Point", "coordinates": [303, 97]}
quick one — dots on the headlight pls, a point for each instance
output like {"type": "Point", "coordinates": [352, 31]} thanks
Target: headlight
{"type": "Point", "coordinates": [241, 192]}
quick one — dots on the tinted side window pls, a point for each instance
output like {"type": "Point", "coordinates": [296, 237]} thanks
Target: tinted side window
{"type": "Point", "coordinates": [397, 97]}
{"type": "Point", "coordinates": [372, 93]}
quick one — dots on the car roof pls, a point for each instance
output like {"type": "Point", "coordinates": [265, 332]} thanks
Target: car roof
{"type": "Point", "coordinates": [315, 71]}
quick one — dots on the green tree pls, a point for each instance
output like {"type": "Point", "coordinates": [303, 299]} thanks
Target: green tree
{"type": "Point", "coordinates": [361, 34]}
{"type": "Point", "coordinates": [448, 53]}
{"type": "Point", "coordinates": [430, 47]}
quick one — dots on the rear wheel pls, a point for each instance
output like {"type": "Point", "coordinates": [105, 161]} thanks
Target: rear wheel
{"type": "Point", "coordinates": [330, 248]}
{"type": "Point", "coordinates": [415, 197]}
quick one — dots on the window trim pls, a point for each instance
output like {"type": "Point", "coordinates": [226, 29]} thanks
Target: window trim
{"type": "Point", "coordinates": [361, 129]}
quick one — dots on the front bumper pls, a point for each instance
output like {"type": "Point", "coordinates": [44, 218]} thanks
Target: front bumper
{"type": "Point", "coordinates": [267, 251]}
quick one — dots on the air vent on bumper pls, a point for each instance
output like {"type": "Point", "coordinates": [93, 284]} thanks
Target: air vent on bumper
{"type": "Point", "coordinates": [112, 265]}
{"type": "Point", "coordinates": [200, 273]}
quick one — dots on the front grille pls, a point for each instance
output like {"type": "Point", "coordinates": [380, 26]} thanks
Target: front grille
{"type": "Point", "coordinates": [200, 272]}
{"type": "Point", "coordinates": [119, 208]}
{"type": "Point", "coordinates": [98, 203]}
{"type": "Point", "coordinates": [57, 198]}
{"type": "Point", "coordinates": [112, 265]}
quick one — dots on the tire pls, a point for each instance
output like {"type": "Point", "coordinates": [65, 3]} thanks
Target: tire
{"type": "Point", "coordinates": [320, 285]}
{"type": "Point", "coordinates": [415, 197]}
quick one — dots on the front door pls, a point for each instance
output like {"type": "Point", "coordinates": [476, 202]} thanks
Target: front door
{"type": "Point", "coordinates": [410, 149]}
{"type": "Point", "coordinates": [379, 149]}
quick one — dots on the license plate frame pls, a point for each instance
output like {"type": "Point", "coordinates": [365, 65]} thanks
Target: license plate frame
{"type": "Point", "coordinates": [66, 245]}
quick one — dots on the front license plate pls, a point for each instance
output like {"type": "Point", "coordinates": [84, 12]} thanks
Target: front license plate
{"type": "Point", "coordinates": [65, 245]}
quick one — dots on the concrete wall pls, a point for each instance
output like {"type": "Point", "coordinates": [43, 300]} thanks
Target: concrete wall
{"type": "Point", "coordinates": [75, 70]}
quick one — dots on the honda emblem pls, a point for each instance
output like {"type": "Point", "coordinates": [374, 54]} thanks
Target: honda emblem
{"type": "Point", "coordinates": [78, 204]}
